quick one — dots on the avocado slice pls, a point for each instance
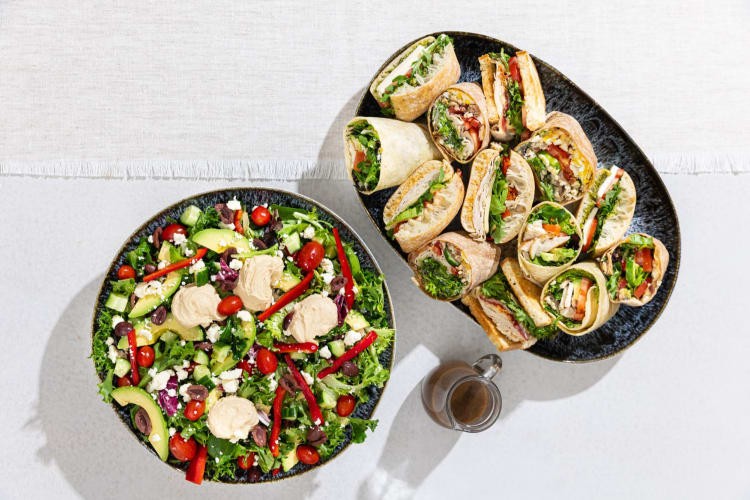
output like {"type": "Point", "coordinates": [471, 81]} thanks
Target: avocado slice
{"type": "Point", "coordinates": [356, 320]}
{"type": "Point", "coordinates": [219, 240]}
{"type": "Point", "coordinates": [148, 303]}
{"type": "Point", "coordinates": [159, 437]}
{"type": "Point", "coordinates": [144, 325]}
{"type": "Point", "coordinates": [287, 281]}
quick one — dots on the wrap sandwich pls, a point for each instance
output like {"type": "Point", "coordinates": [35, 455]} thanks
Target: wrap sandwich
{"type": "Point", "coordinates": [458, 122]}
{"type": "Point", "coordinates": [634, 269]}
{"type": "Point", "coordinates": [577, 300]}
{"type": "Point", "coordinates": [381, 153]}
{"type": "Point", "coordinates": [606, 210]}
{"type": "Point", "coordinates": [424, 204]}
{"type": "Point", "coordinates": [412, 80]}
{"type": "Point", "coordinates": [549, 241]}
{"type": "Point", "coordinates": [515, 100]}
{"type": "Point", "coordinates": [562, 158]}
{"type": "Point", "coordinates": [449, 266]}
{"type": "Point", "coordinates": [499, 196]}
{"type": "Point", "coordinates": [507, 307]}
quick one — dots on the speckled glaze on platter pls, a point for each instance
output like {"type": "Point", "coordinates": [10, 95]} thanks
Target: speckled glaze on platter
{"type": "Point", "coordinates": [250, 196]}
{"type": "Point", "coordinates": [654, 214]}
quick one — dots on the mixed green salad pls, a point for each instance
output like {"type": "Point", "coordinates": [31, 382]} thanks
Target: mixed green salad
{"type": "Point", "coordinates": [367, 151]}
{"type": "Point", "coordinates": [242, 340]}
{"type": "Point", "coordinates": [632, 264]}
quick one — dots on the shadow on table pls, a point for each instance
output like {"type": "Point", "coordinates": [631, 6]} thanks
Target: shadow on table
{"type": "Point", "coordinates": [99, 456]}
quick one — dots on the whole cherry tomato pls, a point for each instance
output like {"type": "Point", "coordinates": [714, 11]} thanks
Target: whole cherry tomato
{"type": "Point", "coordinates": [171, 230]}
{"type": "Point", "coordinates": [307, 454]}
{"type": "Point", "coordinates": [266, 361]}
{"type": "Point", "coordinates": [182, 449]}
{"type": "Point", "coordinates": [260, 216]}
{"type": "Point", "coordinates": [194, 409]}
{"type": "Point", "coordinates": [123, 381]}
{"type": "Point", "coordinates": [310, 256]}
{"type": "Point", "coordinates": [145, 356]}
{"type": "Point", "coordinates": [246, 366]}
{"type": "Point", "coordinates": [345, 405]}
{"type": "Point", "coordinates": [246, 462]}
{"type": "Point", "coordinates": [229, 305]}
{"type": "Point", "coordinates": [125, 272]}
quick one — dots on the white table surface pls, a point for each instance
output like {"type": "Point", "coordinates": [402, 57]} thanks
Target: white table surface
{"type": "Point", "coordinates": [667, 419]}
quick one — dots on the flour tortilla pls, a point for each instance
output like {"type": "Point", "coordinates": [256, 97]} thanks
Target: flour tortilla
{"type": "Point", "coordinates": [661, 261]}
{"type": "Point", "coordinates": [410, 104]}
{"type": "Point", "coordinates": [435, 216]}
{"type": "Point", "coordinates": [599, 309]}
{"type": "Point", "coordinates": [475, 213]}
{"type": "Point", "coordinates": [404, 147]}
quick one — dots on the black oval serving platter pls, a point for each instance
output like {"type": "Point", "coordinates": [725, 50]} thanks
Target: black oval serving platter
{"type": "Point", "coordinates": [654, 214]}
{"type": "Point", "coordinates": [251, 197]}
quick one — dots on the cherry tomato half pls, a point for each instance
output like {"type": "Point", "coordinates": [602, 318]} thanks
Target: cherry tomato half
{"type": "Point", "coordinates": [266, 361]}
{"type": "Point", "coordinates": [260, 216]}
{"type": "Point", "coordinates": [229, 305]}
{"type": "Point", "coordinates": [194, 409]}
{"type": "Point", "coordinates": [246, 462]}
{"type": "Point", "coordinates": [125, 272]}
{"type": "Point", "coordinates": [310, 256]}
{"type": "Point", "coordinates": [145, 356]}
{"type": "Point", "coordinates": [307, 454]}
{"type": "Point", "coordinates": [246, 366]}
{"type": "Point", "coordinates": [123, 381]}
{"type": "Point", "coordinates": [171, 230]}
{"type": "Point", "coordinates": [345, 405]}
{"type": "Point", "coordinates": [182, 449]}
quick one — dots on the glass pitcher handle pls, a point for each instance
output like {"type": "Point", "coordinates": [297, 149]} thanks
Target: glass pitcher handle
{"type": "Point", "coordinates": [488, 365]}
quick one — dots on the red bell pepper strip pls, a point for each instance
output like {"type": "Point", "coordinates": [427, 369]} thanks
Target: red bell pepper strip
{"type": "Point", "coordinates": [289, 296]}
{"type": "Point", "coordinates": [312, 404]}
{"type": "Point", "coordinates": [360, 346]}
{"type": "Point", "coordinates": [273, 443]}
{"type": "Point", "coordinates": [238, 222]}
{"type": "Point", "coordinates": [345, 270]}
{"type": "Point", "coordinates": [306, 347]}
{"type": "Point", "coordinates": [197, 466]}
{"type": "Point", "coordinates": [132, 349]}
{"type": "Point", "coordinates": [177, 265]}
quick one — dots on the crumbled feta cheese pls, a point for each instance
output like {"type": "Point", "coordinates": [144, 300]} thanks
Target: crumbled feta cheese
{"type": "Point", "coordinates": [273, 383]}
{"type": "Point", "coordinates": [235, 264]}
{"type": "Point", "coordinates": [178, 238]}
{"type": "Point", "coordinates": [226, 226]}
{"type": "Point", "coordinates": [213, 277]}
{"type": "Point", "coordinates": [231, 374]}
{"type": "Point", "coordinates": [213, 332]}
{"type": "Point", "coordinates": [184, 393]}
{"type": "Point", "coordinates": [151, 238]}
{"type": "Point", "coordinates": [317, 421]}
{"type": "Point", "coordinates": [182, 343]}
{"type": "Point", "coordinates": [172, 431]}
{"type": "Point", "coordinates": [155, 438]}
{"type": "Point", "coordinates": [159, 382]}
{"type": "Point", "coordinates": [181, 374]}
{"type": "Point", "coordinates": [198, 266]}
{"type": "Point", "coordinates": [244, 315]}
{"type": "Point", "coordinates": [110, 341]}
{"type": "Point", "coordinates": [230, 387]}
{"type": "Point", "coordinates": [162, 264]}
{"type": "Point", "coordinates": [279, 254]}
{"type": "Point", "coordinates": [308, 378]}
{"type": "Point", "coordinates": [355, 289]}
{"type": "Point", "coordinates": [324, 293]}
{"type": "Point", "coordinates": [188, 252]}
{"type": "Point", "coordinates": [113, 353]}
{"type": "Point", "coordinates": [152, 372]}
{"type": "Point", "coordinates": [325, 352]}
{"type": "Point", "coordinates": [289, 258]}
{"type": "Point", "coordinates": [342, 290]}
{"type": "Point", "coordinates": [234, 204]}
{"type": "Point", "coordinates": [352, 338]}
{"type": "Point", "coordinates": [308, 233]}
{"type": "Point", "coordinates": [327, 278]}
{"type": "Point", "coordinates": [185, 363]}
{"type": "Point", "coordinates": [116, 320]}
{"type": "Point", "coordinates": [326, 265]}
{"type": "Point", "coordinates": [171, 393]}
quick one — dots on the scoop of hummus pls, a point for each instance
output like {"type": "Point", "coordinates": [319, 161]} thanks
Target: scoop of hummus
{"type": "Point", "coordinates": [313, 316]}
{"type": "Point", "coordinates": [196, 305]}
{"type": "Point", "coordinates": [257, 277]}
{"type": "Point", "coordinates": [232, 418]}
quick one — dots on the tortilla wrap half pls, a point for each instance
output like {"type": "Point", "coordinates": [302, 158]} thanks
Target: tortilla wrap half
{"type": "Point", "coordinates": [598, 306]}
{"type": "Point", "coordinates": [408, 103]}
{"type": "Point", "coordinates": [436, 215]}
{"type": "Point", "coordinates": [660, 263]}
{"type": "Point", "coordinates": [477, 260]}
{"type": "Point", "coordinates": [475, 214]}
{"type": "Point", "coordinates": [403, 147]}
{"type": "Point", "coordinates": [472, 93]}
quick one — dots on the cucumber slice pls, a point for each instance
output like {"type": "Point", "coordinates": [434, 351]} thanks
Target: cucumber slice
{"type": "Point", "coordinates": [337, 348]}
{"type": "Point", "coordinates": [190, 215]}
{"type": "Point", "coordinates": [122, 367]}
{"type": "Point", "coordinates": [117, 301]}
{"type": "Point", "coordinates": [202, 277]}
{"type": "Point", "coordinates": [200, 357]}
{"type": "Point", "coordinates": [201, 371]}
{"type": "Point", "coordinates": [293, 243]}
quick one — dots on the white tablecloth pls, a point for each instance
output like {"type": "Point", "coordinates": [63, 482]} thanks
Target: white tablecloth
{"type": "Point", "coordinates": [117, 89]}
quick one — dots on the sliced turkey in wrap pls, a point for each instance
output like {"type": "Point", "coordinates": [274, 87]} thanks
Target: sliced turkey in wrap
{"type": "Point", "coordinates": [606, 210]}
{"type": "Point", "coordinates": [409, 83]}
{"type": "Point", "coordinates": [562, 158]}
{"type": "Point", "coordinates": [381, 153]}
{"type": "Point", "coordinates": [515, 100]}
{"type": "Point", "coordinates": [452, 264]}
{"type": "Point", "coordinates": [499, 196]}
{"type": "Point", "coordinates": [458, 122]}
{"type": "Point", "coordinates": [634, 269]}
